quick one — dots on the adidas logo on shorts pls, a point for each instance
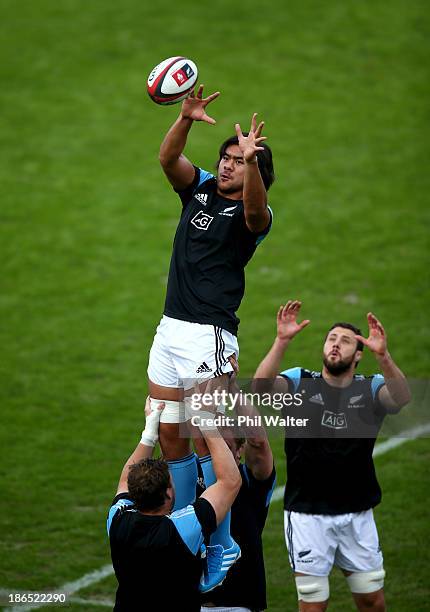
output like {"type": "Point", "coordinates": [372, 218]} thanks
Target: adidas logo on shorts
{"type": "Point", "coordinates": [203, 368]}
{"type": "Point", "coordinates": [202, 198]}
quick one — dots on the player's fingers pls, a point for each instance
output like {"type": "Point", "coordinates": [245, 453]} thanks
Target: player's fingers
{"type": "Point", "coordinates": [380, 329]}
{"type": "Point", "coordinates": [147, 406]}
{"type": "Point", "coordinates": [375, 320]}
{"type": "Point", "coordinates": [287, 308]}
{"type": "Point", "coordinates": [361, 339]}
{"type": "Point", "coordinates": [304, 323]}
{"type": "Point", "coordinates": [254, 122]}
{"type": "Point", "coordinates": [208, 119]}
{"type": "Point", "coordinates": [238, 130]}
{"type": "Point", "coordinates": [211, 97]}
{"type": "Point", "coordinates": [234, 363]}
{"type": "Point", "coordinates": [260, 139]}
{"type": "Point", "coordinates": [371, 318]}
{"type": "Point", "coordinates": [200, 92]}
{"type": "Point", "coordinates": [259, 129]}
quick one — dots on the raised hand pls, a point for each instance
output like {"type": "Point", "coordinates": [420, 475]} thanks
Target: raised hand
{"type": "Point", "coordinates": [149, 410]}
{"type": "Point", "coordinates": [249, 145]}
{"type": "Point", "coordinates": [377, 340]}
{"type": "Point", "coordinates": [286, 319]}
{"type": "Point", "coordinates": [194, 106]}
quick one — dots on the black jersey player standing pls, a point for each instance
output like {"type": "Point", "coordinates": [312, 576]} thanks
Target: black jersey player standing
{"type": "Point", "coordinates": [331, 485]}
{"type": "Point", "coordinates": [222, 221]}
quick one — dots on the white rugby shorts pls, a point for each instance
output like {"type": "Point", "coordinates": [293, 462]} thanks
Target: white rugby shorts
{"type": "Point", "coordinates": [316, 542]}
{"type": "Point", "coordinates": [184, 353]}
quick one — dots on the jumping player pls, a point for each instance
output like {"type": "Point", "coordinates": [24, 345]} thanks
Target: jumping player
{"type": "Point", "coordinates": [223, 219]}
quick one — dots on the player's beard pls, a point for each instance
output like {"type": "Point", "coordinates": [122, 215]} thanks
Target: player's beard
{"type": "Point", "coordinates": [339, 367]}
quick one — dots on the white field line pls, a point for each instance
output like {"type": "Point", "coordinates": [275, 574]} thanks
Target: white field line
{"type": "Point", "coordinates": [107, 570]}
{"type": "Point", "coordinates": [69, 588]}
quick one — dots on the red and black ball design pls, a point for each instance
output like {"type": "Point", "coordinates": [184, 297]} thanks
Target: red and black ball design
{"type": "Point", "coordinates": [172, 80]}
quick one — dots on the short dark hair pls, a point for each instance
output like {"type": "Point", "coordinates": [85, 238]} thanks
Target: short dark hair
{"type": "Point", "coordinates": [148, 481]}
{"type": "Point", "coordinates": [356, 330]}
{"type": "Point", "coordinates": [264, 159]}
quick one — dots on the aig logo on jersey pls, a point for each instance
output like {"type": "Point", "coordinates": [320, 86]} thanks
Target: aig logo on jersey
{"type": "Point", "coordinates": [334, 420]}
{"type": "Point", "coordinates": [201, 220]}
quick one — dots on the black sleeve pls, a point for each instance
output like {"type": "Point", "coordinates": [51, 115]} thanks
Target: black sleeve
{"type": "Point", "coordinates": [187, 193]}
{"type": "Point", "coordinates": [206, 516]}
{"type": "Point", "coordinates": [125, 495]}
{"type": "Point", "coordinates": [260, 492]}
{"type": "Point", "coordinates": [256, 237]}
{"type": "Point", "coordinates": [263, 488]}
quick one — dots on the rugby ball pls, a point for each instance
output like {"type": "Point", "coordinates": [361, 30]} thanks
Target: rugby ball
{"type": "Point", "coordinates": [172, 80]}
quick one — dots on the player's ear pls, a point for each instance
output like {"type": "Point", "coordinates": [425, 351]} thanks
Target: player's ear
{"type": "Point", "coordinates": [358, 356]}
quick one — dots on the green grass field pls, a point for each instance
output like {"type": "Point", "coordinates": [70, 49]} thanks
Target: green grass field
{"type": "Point", "coordinates": [87, 222]}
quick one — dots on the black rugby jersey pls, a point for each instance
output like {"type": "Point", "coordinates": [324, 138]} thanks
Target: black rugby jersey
{"type": "Point", "coordinates": [211, 248]}
{"type": "Point", "coordinates": [330, 467]}
{"type": "Point", "coordinates": [157, 559]}
{"type": "Point", "coordinates": [245, 584]}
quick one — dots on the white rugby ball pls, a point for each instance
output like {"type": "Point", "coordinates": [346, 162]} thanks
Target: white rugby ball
{"type": "Point", "coordinates": [172, 80]}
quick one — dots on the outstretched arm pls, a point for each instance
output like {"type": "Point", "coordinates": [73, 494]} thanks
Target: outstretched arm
{"type": "Point", "coordinates": [395, 393]}
{"type": "Point", "coordinates": [146, 445]}
{"type": "Point", "coordinates": [223, 492]}
{"type": "Point", "coordinates": [178, 169]}
{"type": "Point", "coordinates": [287, 329]}
{"type": "Point", "coordinates": [258, 454]}
{"type": "Point", "coordinates": [257, 214]}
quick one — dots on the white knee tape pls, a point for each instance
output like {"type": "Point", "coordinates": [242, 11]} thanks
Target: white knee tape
{"type": "Point", "coordinates": [366, 582]}
{"type": "Point", "coordinates": [194, 405]}
{"type": "Point", "coordinates": [191, 406]}
{"type": "Point", "coordinates": [174, 412]}
{"type": "Point", "coordinates": [312, 589]}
